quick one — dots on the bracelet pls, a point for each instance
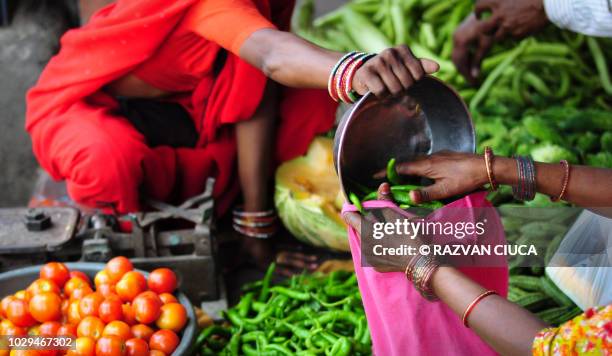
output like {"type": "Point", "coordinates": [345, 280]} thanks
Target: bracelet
{"type": "Point", "coordinates": [420, 273]}
{"type": "Point", "coordinates": [257, 233]}
{"type": "Point", "coordinates": [488, 157]}
{"type": "Point", "coordinates": [350, 73]}
{"type": "Point", "coordinates": [330, 82]}
{"type": "Point", "coordinates": [525, 189]}
{"type": "Point", "coordinates": [340, 75]}
{"type": "Point", "coordinates": [340, 82]}
{"type": "Point", "coordinates": [257, 224]}
{"type": "Point", "coordinates": [473, 304]}
{"type": "Point", "coordinates": [566, 176]}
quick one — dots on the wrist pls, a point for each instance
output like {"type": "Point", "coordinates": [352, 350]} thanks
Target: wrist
{"type": "Point", "coordinates": [505, 170]}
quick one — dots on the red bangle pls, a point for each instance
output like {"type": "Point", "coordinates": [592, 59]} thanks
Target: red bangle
{"type": "Point", "coordinates": [332, 75]}
{"type": "Point", "coordinates": [566, 174]}
{"type": "Point", "coordinates": [488, 157]}
{"type": "Point", "coordinates": [341, 77]}
{"type": "Point", "coordinates": [350, 73]}
{"type": "Point", "coordinates": [473, 304]}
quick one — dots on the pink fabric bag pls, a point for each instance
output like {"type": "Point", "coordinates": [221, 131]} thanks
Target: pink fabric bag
{"type": "Point", "coordinates": [400, 320]}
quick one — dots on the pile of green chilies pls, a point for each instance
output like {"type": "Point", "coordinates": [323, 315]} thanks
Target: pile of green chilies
{"type": "Point", "coordinates": [306, 315]}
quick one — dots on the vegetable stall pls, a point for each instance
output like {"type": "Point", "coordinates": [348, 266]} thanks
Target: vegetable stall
{"type": "Point", "coordinates": [548, 96]}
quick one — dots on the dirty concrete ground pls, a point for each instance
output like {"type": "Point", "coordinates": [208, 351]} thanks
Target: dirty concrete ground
{"type": "Point", "coordinates": [25, 47]}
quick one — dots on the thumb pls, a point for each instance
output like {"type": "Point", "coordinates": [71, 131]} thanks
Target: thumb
{"type": "Point", "coordinates": [430, 66]}
{"type": "Point", "coordinates": [435, 191]}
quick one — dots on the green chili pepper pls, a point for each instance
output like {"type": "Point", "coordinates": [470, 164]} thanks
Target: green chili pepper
{"type": "Point", "coordinates": [355, 200]}
{"type": "Point", "coordinates": [278, 348]}
{"type": "Point", "coordinates": [392, 175]}
{"type": "Point", "coordinates": [265, 288]}
{"type": "Point", "coordinates": [303, 296]}
{"type": "Point", "coordinates": [600, 63]}
{"type": "Point", "coordinates": [245, 304]}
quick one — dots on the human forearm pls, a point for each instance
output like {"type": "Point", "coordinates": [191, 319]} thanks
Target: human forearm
{"type": "Point", "coordinates": [506, 327]}
{"type": "Point", "coordinates": [587, 186]}
{"type": "Point", "coordinates": [289, 59]}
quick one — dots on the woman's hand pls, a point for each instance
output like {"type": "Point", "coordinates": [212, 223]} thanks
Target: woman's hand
{"type": "Point", "coordinates": [454, 173]}
{"type": "Point", "coordinates": [392, 71]}
{"type": "Point", "coordinates": [369, 245]}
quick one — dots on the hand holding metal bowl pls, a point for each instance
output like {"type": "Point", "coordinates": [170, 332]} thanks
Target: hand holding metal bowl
{"type": "Point", "coordinates": [429, 117]}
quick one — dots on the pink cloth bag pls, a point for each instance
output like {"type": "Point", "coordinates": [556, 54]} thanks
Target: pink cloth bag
{"type": "Point", "coordinates": [401, 321]}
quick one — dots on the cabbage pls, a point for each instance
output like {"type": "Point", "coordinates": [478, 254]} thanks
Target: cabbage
{"type": "Point", "coordinates": [308, 198]}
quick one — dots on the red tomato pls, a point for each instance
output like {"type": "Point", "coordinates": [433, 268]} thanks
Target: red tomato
{"type": "Point", "coordinates": [74, 283]}
{"type": "Point", "coordinates": [67, 330]}
{"type": "Point", "coordinates": [49, 328]}
{"type": "Point", "coordinates": [162, 280]}
{"type": "Point", "coordinates": [80, 292]}
{"type": "Point", "coordinates": [130, 285]}
{"type": "Point", "coordinates": [142, 331]}
{"type": "Point", "coordinates": [106, 289]}
{"type": "Point", "coordinates": [43, 285]}
{"type": "Point", "coordinates": [22, 295]}
{"type": "Point", "coordinates": [15, 331]}
{"type": "Point", "coordinates": [165, 341]}
{"type": "Point", "coordinates": [46, 306]}
{"type": "Point", "coordinates": [119, 329]}
{"type": "Point", "coordinates": [73, 315]}
{"type": "Point", "coordinates": [19, 314]}
{"type": "Point", "coordinates": [102, 277]}
{"type": "Point", "coordinates": [136, 347]}
{"type": "Point", "coordinates": [156, 353]}
{"type": "Point", "coordinates": [83, 346]}
{"type": "Point", "coordinates": [57, 272]}
{"type": "Point", "coordinates": [110, 346]}
{"type": "Point", "coordinates": [173, 317]}
{"type": "Point", "coordinates": [147, 307]}
{"type": "Point", "coordinates": [117, 267]}
{"type": "Point", "coordinates": [90, 326]}
{"type": "Point", "coordinates": [111, 309]}
{"type": "Point", "coordinates": [89, 305]}
{"type": "Point", "coordinates": [168, 298]}
{"type": "Point", "coordinates": [128, 314]}
{"type": "Point", "coordinates": [22, 352]}
{"type": "Point", "coordinates": [4, 304]}
{"type": "Point", "coordinates": [79, 274]}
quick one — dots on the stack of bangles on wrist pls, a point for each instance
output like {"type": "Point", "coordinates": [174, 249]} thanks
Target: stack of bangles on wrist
{"type": "Point", "coordinates": [340, 84]}
{"type": "Point", "coordinates": [419, 271]}
{"type": "Point", "coordinates": [525, 190]}
{"type": "Point", "coordinates": [257, 224]}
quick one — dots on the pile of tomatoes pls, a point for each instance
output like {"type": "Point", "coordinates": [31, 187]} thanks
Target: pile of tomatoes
{"type": "Point", "coordinates": [121, 314]}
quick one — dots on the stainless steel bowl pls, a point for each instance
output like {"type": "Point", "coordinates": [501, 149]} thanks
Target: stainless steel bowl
{"type": "Point", "coordinates": [428, 118]}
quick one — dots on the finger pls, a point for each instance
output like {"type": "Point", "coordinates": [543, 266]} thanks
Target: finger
{"type": "Point", "coordinates": [294, 261]}
{"type": "Point", "coordinates": [413, 64]}
{"type": "Point", "coordinates": [482, 6]}
{"type": "Point", "coordinates": [418, 167]}
{"type": "Point", "coordinates": [392, 84]}
{"type": "Point", "coordinates": [463, 38]}
{"type": "Point", "coordinates": [489, 26]}
{"type": "Point", "coordinates": [430, 66]}
{"type": "Point", "coordinates": [299, 256]}
{"type": "Point", "coordinates": [435, 191]}
{"type": "Point", "coordinates": [374, 83]}
{"type": "Point", "coordinates": [484, 45]}
{"type": "Point", "coordinates": [400, 70]}
{"type": "Point", "coordinates": [384, 192]}
{"type": "Point", "coordinates": [352, 219]}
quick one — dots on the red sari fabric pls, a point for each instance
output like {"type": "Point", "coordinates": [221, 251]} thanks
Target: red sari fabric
{"type": "Point", "coordinates": [78, 135]}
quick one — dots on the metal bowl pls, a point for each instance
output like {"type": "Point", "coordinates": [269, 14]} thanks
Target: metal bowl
{"type": "Point", "coordinates": [429, 117]}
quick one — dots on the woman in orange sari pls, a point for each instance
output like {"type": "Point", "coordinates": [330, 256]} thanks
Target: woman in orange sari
{"type": "Point", "coordinates": [103, 114]}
